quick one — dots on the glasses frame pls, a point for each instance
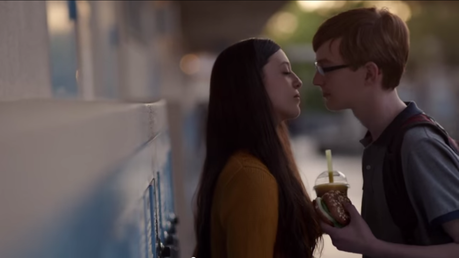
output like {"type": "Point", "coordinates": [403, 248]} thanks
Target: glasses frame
{"type": "Point", "coordinates": [324, 70]}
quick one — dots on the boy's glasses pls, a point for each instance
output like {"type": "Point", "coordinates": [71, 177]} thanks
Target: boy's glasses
{"type": "Point", "coordinates": [324, 70]}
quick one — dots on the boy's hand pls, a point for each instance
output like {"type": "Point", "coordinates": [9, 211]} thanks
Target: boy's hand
{"type": "Point", "coordinates": [355, 237]}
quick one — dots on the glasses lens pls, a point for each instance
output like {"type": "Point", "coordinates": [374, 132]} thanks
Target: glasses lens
{"type": "Point", "coordinates": [319, 69]}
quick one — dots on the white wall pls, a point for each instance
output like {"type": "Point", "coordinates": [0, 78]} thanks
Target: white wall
{"type": "Point", "coordinates": [24, 54]}
{"type": "Point", "coordinates": [58, 157]}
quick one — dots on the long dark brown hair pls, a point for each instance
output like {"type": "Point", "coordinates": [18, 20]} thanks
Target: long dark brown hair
{"type": "Point", "coordinates": [240, 116]}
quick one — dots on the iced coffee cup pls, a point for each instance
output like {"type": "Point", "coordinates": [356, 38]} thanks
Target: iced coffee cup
{"type": "Point", "coordinates": [323, 184]}
{"type": "Point", "coordinates": [330, 179]}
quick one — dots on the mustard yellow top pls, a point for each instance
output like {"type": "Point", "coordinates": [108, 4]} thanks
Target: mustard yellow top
{"type": "Point", "coordinates": [244, 210]}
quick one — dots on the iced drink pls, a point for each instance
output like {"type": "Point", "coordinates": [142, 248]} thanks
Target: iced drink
{"type": "Point", "coordinates": [323, 188]}
{"type": "Point", "coordinates": [338, 182]}
{"type": "Point", "coordinates": [330, 179]}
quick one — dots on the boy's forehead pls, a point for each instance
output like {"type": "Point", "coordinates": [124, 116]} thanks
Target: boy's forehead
{"type": "Point", "coordinates": [329, 51]}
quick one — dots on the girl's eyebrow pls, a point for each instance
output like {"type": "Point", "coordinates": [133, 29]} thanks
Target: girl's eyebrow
{"type": "Point", "coordinates": [285, 62]}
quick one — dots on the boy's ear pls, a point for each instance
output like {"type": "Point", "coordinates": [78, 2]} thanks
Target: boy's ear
{"type": "Point", "coordinates": [373, 73]}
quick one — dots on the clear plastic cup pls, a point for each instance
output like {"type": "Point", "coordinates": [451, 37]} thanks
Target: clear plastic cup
{"type": "Point", "coordinates": [323, 184]}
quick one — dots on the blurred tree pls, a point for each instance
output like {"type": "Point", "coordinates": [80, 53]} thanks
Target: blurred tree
{"type": "Point", "coordinates": [434, 44]}
{"type": "Point", "coordinates": [433, 28]}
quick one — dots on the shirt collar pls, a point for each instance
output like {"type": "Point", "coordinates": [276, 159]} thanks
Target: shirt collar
{"type": "Point", "coordinates": [410, 110]}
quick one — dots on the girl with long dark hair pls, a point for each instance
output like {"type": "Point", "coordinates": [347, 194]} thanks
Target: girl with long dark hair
{"type": "Point", "coordinates": [251, 202]}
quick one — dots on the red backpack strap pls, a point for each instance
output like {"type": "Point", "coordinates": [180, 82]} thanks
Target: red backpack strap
{"type": "Point", "coordinates": [418, 119]}
{"type": "Point", "coordinates": [424, 118]}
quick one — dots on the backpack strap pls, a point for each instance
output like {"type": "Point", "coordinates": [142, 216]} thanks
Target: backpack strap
{"type": "Point", "coordinates": [397, 199]}
{"type": "Point", "coordinates": [452, 143]}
